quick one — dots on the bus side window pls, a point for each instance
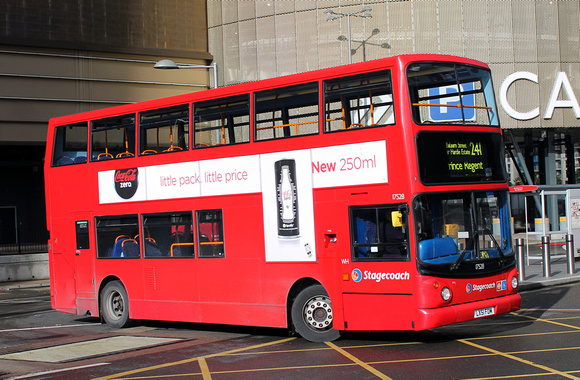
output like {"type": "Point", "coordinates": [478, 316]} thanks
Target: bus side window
{"type": "Point", "coordinates": [222, 121]}
{"type": "Point", "coordinates": [210, 239]}
{"type": "Point", "coordinates": [117, 236]}
{"type": "Point", "coordinates": [164, 130]}
{"type": "Point", "coordinates": [70, 144]}
{"type": "Point", "coordinates": [168, 235]}
{"type": "Point", "coordinates": [113, 138]}
{"type": "Point", "coordinates": [358, 101]}
{"type": "Point", "coordinates": [287, 111]}
{"type": "Point", "coordinates": [379, 233]}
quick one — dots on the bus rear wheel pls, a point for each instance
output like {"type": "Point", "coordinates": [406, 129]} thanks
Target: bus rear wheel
{"type": "Point", "coordinates": [312, 315]}
{"type": "Point", "coordinates": [115, 304]}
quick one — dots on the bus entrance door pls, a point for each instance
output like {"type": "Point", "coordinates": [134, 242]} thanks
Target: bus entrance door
{"type": "Point", "coordinates": [84, 265]}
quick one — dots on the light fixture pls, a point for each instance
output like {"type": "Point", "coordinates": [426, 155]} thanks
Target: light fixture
{"type": "Point", "coordinates": [167, 64]}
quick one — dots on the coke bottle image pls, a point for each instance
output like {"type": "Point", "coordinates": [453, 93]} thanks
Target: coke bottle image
{"type": "Point", "coordinates": [287, 197]}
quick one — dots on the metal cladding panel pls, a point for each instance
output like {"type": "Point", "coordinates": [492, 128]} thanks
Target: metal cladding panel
{"type": "Point", "coordinates": [286, 56]}
{"type": "Point", "coordinates": [248, 57]}
{"type": "Point", "coordinates": [231, 59]}
{"type": "Point", "coordinates": [214, 16]}
{"type": "Point", "coordinates": [265, 7]}
{"type": "Point", "coordinates": [425, 25]}
{"type": "Point", "coordinates": [524, 31]}
{"type": "Point", "coordinates": [451, 28]}
{"type": "Point", "coordinates": [548, 36]}
{"type": "Point", "coordinates": [306, 42]}
{"type": "Point", "coordinates": [329, 53]}
{"type": "Point", "coordinates": [266, 45]}
{"type": "Point", "coordinates": [501, 48]}
{"type": "Point", "coordinates": [246, 10]}
{"type": "Point", "coordinates": [282, 6]}
{"type": "Point", "coordinates": [229, 11]}
{"type": "Point", "coordinates": [500, 71]}
{"type": "Point", "coordinates": [476, 30]}
{"type": "Point", "coordinates": [569, 23]}
{"type": "Point", "coordinates": [401, 31]}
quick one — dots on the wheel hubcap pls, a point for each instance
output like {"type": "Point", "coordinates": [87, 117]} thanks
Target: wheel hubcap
{"type": "Point", "coordinates": [116, 304]}
{"type": "Point", "coordinates": [318, 313]}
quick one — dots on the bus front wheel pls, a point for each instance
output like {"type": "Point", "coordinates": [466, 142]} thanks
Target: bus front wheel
{"type": "Point", "coordinates": [115, 304]}
{"type": "Point", "coordinates": [312, 315]}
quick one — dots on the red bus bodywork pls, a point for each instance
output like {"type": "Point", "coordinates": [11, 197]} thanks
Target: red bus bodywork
{"type": "Point", "coordinates": [244, 287]}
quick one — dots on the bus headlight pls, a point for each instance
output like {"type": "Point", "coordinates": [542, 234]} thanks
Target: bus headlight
{"type": "Point", "coordinates": [446, 294]}
{"type": "Point", "coordinates": [514, 282]}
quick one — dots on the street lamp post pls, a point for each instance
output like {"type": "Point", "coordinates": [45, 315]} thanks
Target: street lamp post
{"type": "Point", "coordinates": [167, 64]}
{"type": "Point", "coordinates": [332, 15]}
{"type": "Point", "coordinates": [364, 43]}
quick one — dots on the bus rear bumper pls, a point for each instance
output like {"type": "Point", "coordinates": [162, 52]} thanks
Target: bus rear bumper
{"type": "Point", "coordinates": [431, 318]}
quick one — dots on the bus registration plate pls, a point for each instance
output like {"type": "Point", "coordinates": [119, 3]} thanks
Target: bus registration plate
{"type": "Point", "coordinates": [484, 312]}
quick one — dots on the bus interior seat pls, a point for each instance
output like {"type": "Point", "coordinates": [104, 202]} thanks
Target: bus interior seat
{"type": "Point", "coordinates": [80, 159]}
{"type": "Point", "coordinates": [64, 160]}
{"type": "Point", "coordinates": [151, 248]}
{"type": "Point", "coordinates": [433, 248]}
{"type": "Point", "coordinates": [118, 247]}
{"type": "Point", "coordinates": [130, 248]}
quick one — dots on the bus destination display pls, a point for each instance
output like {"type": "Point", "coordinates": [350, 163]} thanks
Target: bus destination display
{"type": "Point", "coordinates": [460, 157]}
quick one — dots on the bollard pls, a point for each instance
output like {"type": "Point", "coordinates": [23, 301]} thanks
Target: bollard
{"type": "Point", "coordinates": [546, 256]}
{"type": "Point", "coordinates": [521, 265]}
{"type": "Point", "coordinates": [570, 253]}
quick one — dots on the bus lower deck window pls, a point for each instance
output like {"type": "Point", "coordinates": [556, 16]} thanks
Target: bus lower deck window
{"type": "Point", "coordinates": [210, 234]}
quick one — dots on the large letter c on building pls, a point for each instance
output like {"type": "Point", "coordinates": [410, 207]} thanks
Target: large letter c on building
{"type": "Point", "coordinates": [503, 95]}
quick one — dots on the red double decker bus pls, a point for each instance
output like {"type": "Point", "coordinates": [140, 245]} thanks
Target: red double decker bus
{"type": "Point", "coordinates": [371, 196]}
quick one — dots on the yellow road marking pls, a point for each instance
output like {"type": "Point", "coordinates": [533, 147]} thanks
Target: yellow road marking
{"type": "Point", "coordinates": [549, 321]}
{"type": "Point", "coordinates": [372, 370]}
{"type": "Point", "coordinates": [185, 361]}
{"type": "Point", "coordinates": [204, 368]}
{"type": "Point", "coordinates": [524, 361]}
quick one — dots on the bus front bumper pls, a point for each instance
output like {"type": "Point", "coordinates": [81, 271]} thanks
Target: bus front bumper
{"type": "Point", "coordinates": [446, 315]}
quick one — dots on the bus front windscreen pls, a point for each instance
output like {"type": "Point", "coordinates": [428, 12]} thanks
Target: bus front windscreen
{"type": "Point", "coordinates": [463, 234]}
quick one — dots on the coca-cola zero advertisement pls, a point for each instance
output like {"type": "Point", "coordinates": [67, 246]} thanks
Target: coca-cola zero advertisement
{"type": "Point", "coordinates": [126, 182]}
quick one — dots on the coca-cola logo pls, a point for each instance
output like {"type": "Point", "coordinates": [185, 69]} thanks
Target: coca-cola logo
{"type": "Point", "coordinates": [126, 182]}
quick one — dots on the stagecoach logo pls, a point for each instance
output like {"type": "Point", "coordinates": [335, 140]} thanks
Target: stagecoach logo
{"type": "Point", "coordinates": [356, 275]}
{"type": "Point", "coordinates": [126, 182]}
{"type": "Point", "coordinates": [478, 288]}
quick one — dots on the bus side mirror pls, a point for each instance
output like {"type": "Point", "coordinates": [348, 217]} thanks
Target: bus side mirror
{"type": "Point", "coordinates": [397, 218]}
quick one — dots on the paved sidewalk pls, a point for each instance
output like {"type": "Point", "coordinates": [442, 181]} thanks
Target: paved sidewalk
{"type": "Point", "coordinates": [534, 272]}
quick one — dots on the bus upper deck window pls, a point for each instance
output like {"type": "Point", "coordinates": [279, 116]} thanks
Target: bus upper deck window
{"type": "Point", "coordinates": [222, 121]}
{"type": "Point", "coordinates": [164, 130]}
{"type": "Point", "coordinates": [358, 101]}
{"type": "Point", "coordinates": [286, 112]}
{"type": "Point", "coordinates": [113, 138]}
{"type": "Point", "coordinates": [70, 144]}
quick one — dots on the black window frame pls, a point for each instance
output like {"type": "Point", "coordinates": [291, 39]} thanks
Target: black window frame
{"type": "Point", "coordinates": [283, 100]}
{"type": "Point", "coordinates": [170, 245]}
{"type": "Point", "coordinates": [206, 247]}
{"type": "Point", "coordinates": [380, 249]}
{"type": "Point", "coordinates": [70, 151]}
{"type": "Point", "coordinates": [354, 92]}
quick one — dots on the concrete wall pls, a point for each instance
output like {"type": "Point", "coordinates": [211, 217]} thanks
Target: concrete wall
{"type": "Point", "coordinates": [24, 267]}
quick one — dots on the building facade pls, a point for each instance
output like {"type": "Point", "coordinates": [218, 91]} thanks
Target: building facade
{"type": "Point", "coordinates": [59, 58]}
{"type": "Point", "coordinates": [532, 47]}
